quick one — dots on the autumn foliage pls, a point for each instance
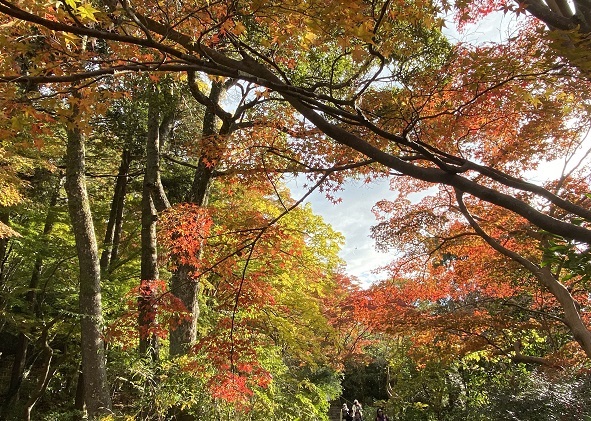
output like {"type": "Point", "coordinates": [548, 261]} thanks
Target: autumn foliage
{"type": "Point", "coordinates": [217, 105]}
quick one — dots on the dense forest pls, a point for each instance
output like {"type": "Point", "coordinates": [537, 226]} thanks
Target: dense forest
{"type": "Point", "coordinates": [154, 264]}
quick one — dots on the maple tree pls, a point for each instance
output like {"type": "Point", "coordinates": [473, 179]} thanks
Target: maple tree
{"type": "Point", "coordinates": [263, 300]}
{"type": "Point", "coordinates": [565, 25]}
{"type": "Point", "coordinates": [439, 236]}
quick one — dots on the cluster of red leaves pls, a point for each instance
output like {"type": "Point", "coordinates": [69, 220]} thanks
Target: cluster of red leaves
{"type": "Point", "coordinates": [234, 363]}
{"type": "Point", "coordinates": [231, 387]}
{"type": "Point", "coordinates": [160, 310]}
{"type": "Point", "coordinates": [468, 11]}
{"type": "Point", "coordinates": [349, 312]}
{"type": "Point", "coordinates": [184, 229]}
{"type": "Point", "coordinates": [496, 104]}
{"type": "Point", "coordinates": [263, 269]}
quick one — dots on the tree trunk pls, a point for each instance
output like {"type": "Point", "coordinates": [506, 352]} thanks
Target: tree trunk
{"type": "Point", "coordinates": [149, 273]}
{"type": "Point", "coordinates": [186, 289]}
{"type": "Point", "coordinates": [97, 397]}
{"type": "Point", "coordinates": [113, 231]}
{"type": "Point", "coordinates": [182, 285]}
{"type": "Point", "coordinates": [149, 263]}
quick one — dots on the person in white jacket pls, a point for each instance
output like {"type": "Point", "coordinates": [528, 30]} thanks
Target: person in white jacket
{"type": "Point", "coordinates": [345, 413]}
{"type": "Point", "coordinates": [357, 410]}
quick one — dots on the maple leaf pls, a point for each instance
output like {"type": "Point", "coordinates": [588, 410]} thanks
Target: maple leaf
{"type": "Point", "coordinates": [87, 12]}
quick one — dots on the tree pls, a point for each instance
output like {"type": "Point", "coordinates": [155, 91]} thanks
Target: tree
{"type": "Point", "coordinates": [183, 285]}
{"type": "Point", "coordinates": [96, 388]}
{"type": "Point", "coordinates": [433, 229]}
{"type": "Point", "coordinates": [479, 388]}
{"type": "Point", "coordinates": [566, 26]}
{"type": "Point", "coordinates": [267, 296]}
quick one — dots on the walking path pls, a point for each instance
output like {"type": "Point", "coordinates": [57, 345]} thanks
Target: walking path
{"type": "Point", "coordinates": [334, 412]}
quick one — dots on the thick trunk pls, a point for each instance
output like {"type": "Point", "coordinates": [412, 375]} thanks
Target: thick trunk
{"type": "Point", "coordinates": [149, 273]}
{"type": "Point", "coordinates": [113, 231]}
{"type": "Point", "coordinates": [97, 397]}
{"type": "Point", "coordinates": [182, 284]}
{"type": "Point", "coordinates": [149, 263]}
{"type": "Point", "coordinates": [186, 289]}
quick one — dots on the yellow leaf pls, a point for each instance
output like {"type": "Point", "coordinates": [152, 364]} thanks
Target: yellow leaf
{"type": "Point", "coordinates": [8, 24]}
{"type": "Point", "coordinates": [310, 36]}
{"type": "Point", "coordinates": [70, 38]}
{"type": "Point", "coordinates": [16, 123]}
{"type": "Point", "coordinates": [86, 11]}
{"type": "Point", "coordinates": [215, 78]}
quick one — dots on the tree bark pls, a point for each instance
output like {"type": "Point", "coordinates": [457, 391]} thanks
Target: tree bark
{"type": "Point", "coordinates": [182, 284]}
{"type": "Point", "coordinates": [97, 397]}
{"type": "Point", "coordinates": [113, 231]}
{"type": "Point", "coordinates": [149, 262]}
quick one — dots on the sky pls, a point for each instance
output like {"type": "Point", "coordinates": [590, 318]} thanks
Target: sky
{"type": "Point", "coordinates": [353, 218]}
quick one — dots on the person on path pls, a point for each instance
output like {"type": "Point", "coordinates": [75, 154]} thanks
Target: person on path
{"type": "Point", "coordinates": [346, 414]}
{"type": "Point", "coordinates": [357, 410]}
{"type": "Point", "coordinates": [380, 416]}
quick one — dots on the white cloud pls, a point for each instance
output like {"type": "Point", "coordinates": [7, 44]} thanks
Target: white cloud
{"type": "Point", "coordinates": [495, 27]}
{"type": "Point", "coordinates": [353, 218]}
